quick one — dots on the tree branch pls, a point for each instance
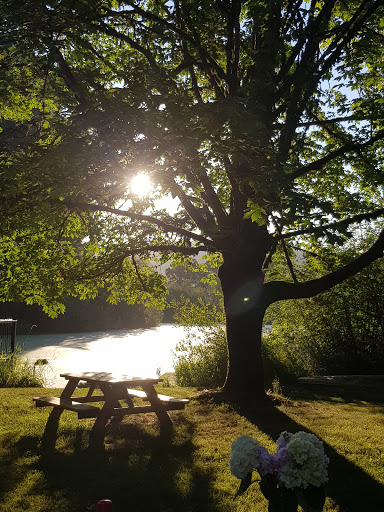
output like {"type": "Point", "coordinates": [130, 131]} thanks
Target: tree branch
{"type": "Point", "coordinates": [136, 216]}
{"type": "Point", "coordinates": [206, 57]}
{"type": "Point", "coordinates": [211, 197]}
{"type": "Point", "coordinates": [279, 290]}
{"type": "Point", "coordinates": [203, 223]}
{"type": "Point", "coordinates": [356, 22]}
{"type": "Point", "coordinates": [304, 79]}
{"type": "Point", "coordinates": [324, 122]}
{"type": "Point", "coordinates": [334, 225]}
{"type": "Point", "coordinates": [67, 75]}
{"type": "Point", "coordinates": [106, 29]}
{"type": "Point", "coordinates": [138, 272]}
{"type": "Point", "coordinates": [352, 146]}
{"type": "Point", "coordinates": [286, 254]}
{"type": "Point", "coordinates": [187, 57]}
{"type": "Point", "coordinates": [188, 251]}
{"type": "Point", "coordinates": [232, 46]}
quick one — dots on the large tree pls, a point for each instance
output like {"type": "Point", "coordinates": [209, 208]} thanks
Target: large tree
{"type": "Point", "coordinates": [264, 118]}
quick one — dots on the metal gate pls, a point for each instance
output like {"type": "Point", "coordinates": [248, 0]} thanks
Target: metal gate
{"type": "Point", "coordinates": [7, 336]}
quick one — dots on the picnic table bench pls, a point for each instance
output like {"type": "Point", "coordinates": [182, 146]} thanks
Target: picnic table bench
{"type": "Point", "coordinates": [113, 389]}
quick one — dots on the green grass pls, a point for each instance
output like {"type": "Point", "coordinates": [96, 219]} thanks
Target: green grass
{"type": "Point", "coordinates": [143, 470]}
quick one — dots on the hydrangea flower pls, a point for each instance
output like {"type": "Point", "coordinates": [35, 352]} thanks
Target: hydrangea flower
{"type": "Point", "coordinates": [265, 462]}
{"type": "Point", "coordinates": [244, 452]}
{"type": "Point", "coordinates": [299, 460]}
{"type": "Point", "coordinates": [302, 461]}
{"type": "Point", "coordinates": [288, 476]}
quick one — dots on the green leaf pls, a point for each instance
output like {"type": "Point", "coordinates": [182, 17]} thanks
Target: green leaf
{"type": "Point", "coordinates": [244, 484]}
{"type": "Point", "coordinates": [255, 213]}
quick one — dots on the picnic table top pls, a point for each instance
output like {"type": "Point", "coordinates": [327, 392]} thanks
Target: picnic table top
{"type": "Point", "coordinates": [110, 378]}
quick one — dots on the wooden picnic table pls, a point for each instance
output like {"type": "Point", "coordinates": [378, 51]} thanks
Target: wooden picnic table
{"type": "Point", "coordinates": [109, 390]}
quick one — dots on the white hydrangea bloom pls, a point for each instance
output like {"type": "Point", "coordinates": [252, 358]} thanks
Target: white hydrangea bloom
{"type": "Point", "coordinates": [303, 461]}
{"type": "Point", "coordinates": [244, 452]}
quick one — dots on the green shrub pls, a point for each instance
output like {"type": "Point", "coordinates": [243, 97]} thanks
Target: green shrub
{"type": "Point", "coordinates": [18, 373]}
{"type": "Point", "coordinates": [277, 361]}
{"type": "Point", "coordinates": [201, 358]}
{"type": "Point", "coordinates": [340, 331]}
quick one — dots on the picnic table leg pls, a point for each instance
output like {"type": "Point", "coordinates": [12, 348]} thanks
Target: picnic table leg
{"type": "Point", "coordinates": [98, 429]}
{"type": "Point", "coordinates": [48, 440]}
{"type": "Point", "coordinates": [50, 432]}
{"type": "Point", "coordinates": [160, 411]}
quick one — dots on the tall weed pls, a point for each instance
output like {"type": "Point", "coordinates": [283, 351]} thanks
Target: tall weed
{"type": "Point", "coordinates": [18, 373]}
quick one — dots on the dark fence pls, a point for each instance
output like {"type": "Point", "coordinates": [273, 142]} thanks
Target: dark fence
{"type": "Point", "coordinates": [7, 336]}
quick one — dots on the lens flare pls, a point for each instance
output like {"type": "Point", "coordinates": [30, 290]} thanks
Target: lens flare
{"type": "Point", "coordinates": [141, 185]}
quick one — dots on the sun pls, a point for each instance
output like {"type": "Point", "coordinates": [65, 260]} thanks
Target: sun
{"type": "Point", "coordinates": [141, 185]}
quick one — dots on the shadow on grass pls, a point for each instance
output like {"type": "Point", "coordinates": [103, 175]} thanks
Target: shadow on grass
{"type": "Point", "coordinates": [139, 469]}
{"type": "Point", "coordinates": [359, 395]}
{"type": "Point", "coordinates": [351, 488]}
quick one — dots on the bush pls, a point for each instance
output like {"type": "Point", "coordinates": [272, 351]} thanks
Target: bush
{"type": "Point", "coordinates": [201, 358]}
{"type": "Point", "coordinates": [18, 373]}
{"type": "Point", "coordinates": [277, 361]}
{"type": "Point", "coordinates": [338, 332]}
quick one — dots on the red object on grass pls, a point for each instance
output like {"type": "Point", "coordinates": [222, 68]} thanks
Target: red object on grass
{"type": "Point", "coordinates": [104, 506]}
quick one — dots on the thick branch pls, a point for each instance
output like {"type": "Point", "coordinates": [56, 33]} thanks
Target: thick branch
{"type": "Point", "coordinates": [187, 57]}
{"type": "Point", "coordinates": [279, 290]}
{"type": "Point", "coordinates": [68, 76]}
{"type": "Point", "coordinates": [335, 50]}
{"type": "Point", "coordinates": [136, 216]}
{"type": "Point", "coordinates": [205, 223]}
{"type": "Point", "coordinates": [212, 198]}
{"type": "Point", "coordinates": [302, 38]}
{"type": "Point", "coordinates": [352, 146]}
{"type": "Point", "coordinates": [334, 225]}
{"type": "Point", "coordinates": [188, 251]}
{"type": "Point", "coordinates": [134, 263]}
{"type": "Point", "coordinates": [342, 119]}
{"type": "Point", "coordinates": [232, 10]}
{"type": "Point", "coordinates": [286, 254]}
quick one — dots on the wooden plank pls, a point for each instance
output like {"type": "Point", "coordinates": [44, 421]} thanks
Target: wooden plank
{"type": "Point", "coordinates": [163, 398]}
{"type": "Point", "coordinates": [93, 398]}
{"type": "Point", "coordinates": [142, 409]}
{"type": "Point", "coordinates": [83, 410]}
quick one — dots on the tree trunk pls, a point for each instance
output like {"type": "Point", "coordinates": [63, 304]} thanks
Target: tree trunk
{"type": "Point", "coordinates": [245, 374]}
{"type": "Point", "coordinates": [242, 282]}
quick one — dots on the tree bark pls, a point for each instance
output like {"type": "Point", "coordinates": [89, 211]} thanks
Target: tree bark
{"type": "Point", "coordinates": [245, 374]}
{"type": "Point", "coordinates": [242, 282]}
{"type": "Point", "coordinates": [247, 296]}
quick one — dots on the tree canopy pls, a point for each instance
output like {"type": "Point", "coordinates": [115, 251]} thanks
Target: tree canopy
{"type": "Point", "coordinates": [264, 119]}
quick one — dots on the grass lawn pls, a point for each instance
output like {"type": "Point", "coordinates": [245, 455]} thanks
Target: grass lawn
{"type": "Point", "coordinates": [142, 470]}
